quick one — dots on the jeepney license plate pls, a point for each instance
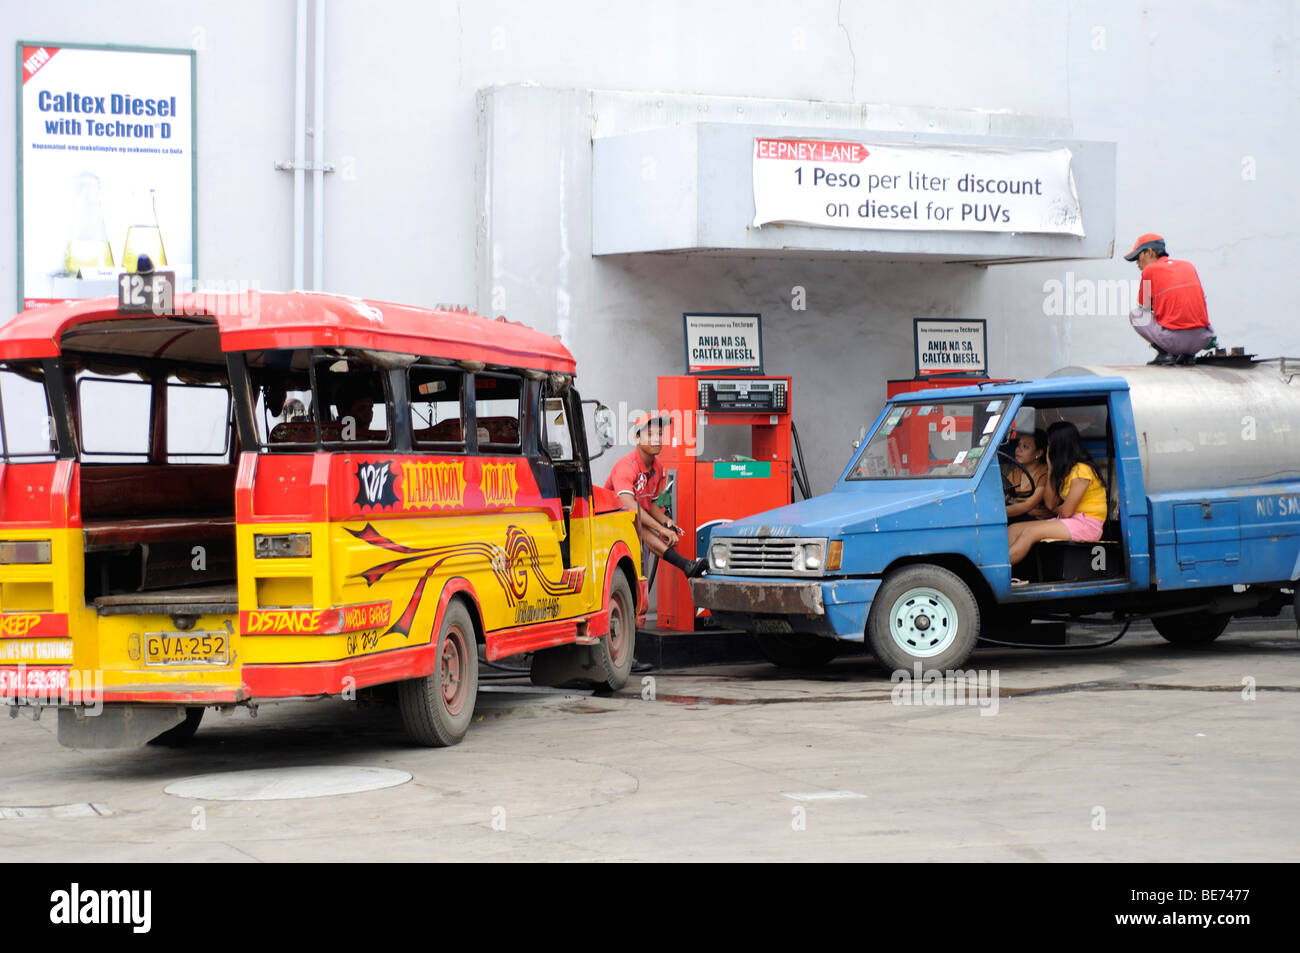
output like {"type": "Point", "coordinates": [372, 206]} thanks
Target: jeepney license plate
{"type": "Point", "coordinates": [186, 648]}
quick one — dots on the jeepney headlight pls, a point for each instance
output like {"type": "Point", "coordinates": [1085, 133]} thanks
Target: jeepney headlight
{"type": "Point", "coordinates": [25, 551]}
{"type": "Point", "coordinates": [718, 554]}
{"type": "Point", "coordinates": [287, 546]}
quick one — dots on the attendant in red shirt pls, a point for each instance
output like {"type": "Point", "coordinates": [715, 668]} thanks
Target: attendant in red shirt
{"type": "Point", "coordinates": [637, 479]}
{"type": "Point", "coordinates": [1171, 313]}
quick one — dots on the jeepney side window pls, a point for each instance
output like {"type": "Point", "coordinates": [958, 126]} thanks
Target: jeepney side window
{"type": "Point", "coordinates": [354, 395]}
{"type": "Point", "coordinates": [26, 428]}
{"type": "Point", "coordinates": [198, 421]}
{"type": "Point", "coordinates": [497, 403]}
{"type": "Point", "coordinates": [557, 439]}
{"type": "Point", "coordinates": [437, 408]}
{"type": "Point", "coordinates": [283, 407]}
{"type": "Point", "coordinates": [115, 419]}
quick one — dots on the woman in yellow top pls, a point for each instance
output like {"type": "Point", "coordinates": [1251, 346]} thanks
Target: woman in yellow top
{"type": "Point", "coordinates": [1074, 492]}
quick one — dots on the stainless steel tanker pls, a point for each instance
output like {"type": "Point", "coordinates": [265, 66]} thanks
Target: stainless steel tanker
{"type": "Point", "coordinates": [1212, 425]}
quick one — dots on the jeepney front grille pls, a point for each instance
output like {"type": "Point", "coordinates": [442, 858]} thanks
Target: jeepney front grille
{"type": "Point", "coordinates": [764, 556]}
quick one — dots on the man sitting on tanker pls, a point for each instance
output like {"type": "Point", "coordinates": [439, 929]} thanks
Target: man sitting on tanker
{"type": "Point", "coordinates": [1171, 314]}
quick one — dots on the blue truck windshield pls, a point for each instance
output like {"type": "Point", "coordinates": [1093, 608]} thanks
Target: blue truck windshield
{"type": "Point", "coordinates": [930, 440]}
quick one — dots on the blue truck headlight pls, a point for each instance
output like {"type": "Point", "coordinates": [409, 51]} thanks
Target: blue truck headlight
{"type": "Point", "coordinates": [718, 555]}
{"type": "Point", "coordinates": [807, 557]}
{"type": "Point", "coordinates": [812, 555]}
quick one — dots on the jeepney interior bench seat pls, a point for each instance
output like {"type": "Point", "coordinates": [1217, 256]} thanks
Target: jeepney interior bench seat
{"type": "Point", "coordinates": [304, 432]}
{"type": "Point", "coordinates": [502, 430]}
{"type": "Point", "coordinates": [445, 431]}
{"type": "Point", "coordinates": [118, 532]}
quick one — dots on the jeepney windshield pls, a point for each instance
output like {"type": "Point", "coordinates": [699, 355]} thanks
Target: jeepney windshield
{"type": "Point", "coordinates": [919, 440]}
{"type": "Point", "coordinates": [26, 429]}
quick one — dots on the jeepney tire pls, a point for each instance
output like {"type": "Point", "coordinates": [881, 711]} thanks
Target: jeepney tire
{"type": "Point", "coordinates": [182, 733]}
{"type": "Point", "coordinates": [613, 654]}
{"type": "Point", "coordinates": [437, 709]}
{"type": "Point", "coordinates": [936, 593]}
{"type": "Point", "coordinates": [1191, 628]}
{"type": "Point", "coordinates": [797, 649]}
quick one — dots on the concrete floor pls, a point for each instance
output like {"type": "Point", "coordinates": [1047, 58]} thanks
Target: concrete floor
{"type": "Point", "coordinates": [1141, 751]}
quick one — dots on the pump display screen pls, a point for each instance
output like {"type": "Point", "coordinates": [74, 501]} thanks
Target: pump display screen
{"type": "Point", "coordinates": [743, 396]}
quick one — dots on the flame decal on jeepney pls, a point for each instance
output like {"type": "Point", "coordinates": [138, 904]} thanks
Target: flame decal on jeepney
{"type": "Point", "coordinates": [510, 567]}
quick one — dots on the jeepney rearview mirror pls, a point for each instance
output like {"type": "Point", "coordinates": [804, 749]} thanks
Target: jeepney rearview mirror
{"type": "Point", "coordinates": [604, 426]}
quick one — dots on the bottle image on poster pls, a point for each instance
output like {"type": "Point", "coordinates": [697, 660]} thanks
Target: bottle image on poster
{"type": "Point", "coordinates": [87, 245]}
{"type": "Point", "coordinates": [144, 237]}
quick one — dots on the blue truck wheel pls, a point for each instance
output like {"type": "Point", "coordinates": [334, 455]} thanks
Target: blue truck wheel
{"type": "Point", "coordinates": [924, 614]}
{"type": "Point", "coordinates": [1191, 628]}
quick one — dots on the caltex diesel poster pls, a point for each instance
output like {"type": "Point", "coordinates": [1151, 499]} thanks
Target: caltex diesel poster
{"type": "Point", "coordinates": [106, 168]}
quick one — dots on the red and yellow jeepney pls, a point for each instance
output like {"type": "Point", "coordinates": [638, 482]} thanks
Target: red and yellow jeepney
{"type": "Point", "coordinates": [267, 496]}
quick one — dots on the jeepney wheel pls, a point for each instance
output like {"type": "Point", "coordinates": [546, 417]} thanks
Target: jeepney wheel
{"type": "Point", "coordinates": [923, 614]}
{"type": "Point", "coordinates": [438, 708]}
{"type": "Point", "coordinates": [1191, 628]}
{"type": "Point", "coordinates": [797, 649]}
{"type": "Point", "coordinates": [182, 733]}
{"type": "Point", "coordinates": [613, 655]}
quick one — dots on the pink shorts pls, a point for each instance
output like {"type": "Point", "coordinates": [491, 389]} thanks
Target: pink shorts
{"type": "Point", "coordinates": [1083, 529]}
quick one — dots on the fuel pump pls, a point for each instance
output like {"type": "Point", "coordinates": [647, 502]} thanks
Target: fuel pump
{"type": "Point", "coordinates": [707, 491]}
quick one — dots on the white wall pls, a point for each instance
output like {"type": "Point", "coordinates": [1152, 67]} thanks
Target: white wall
{"type": "Point", "coordinates": [1192, 93]}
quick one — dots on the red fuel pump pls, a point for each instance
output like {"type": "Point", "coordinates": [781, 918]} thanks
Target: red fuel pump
{"type": "Point", "coordinates": [915, 427]}
{"type": "Point", "coordinates": [706, 491]}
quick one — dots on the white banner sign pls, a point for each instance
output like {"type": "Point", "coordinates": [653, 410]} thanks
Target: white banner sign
{"type": "Point", "coordinates": [919, 188]}
{"type": "Point", "coordinates": [723, 343]}
{"type": "Point", "coordinates": [950, 347]}
{"type": "Point", "coordinates": [107, 168]}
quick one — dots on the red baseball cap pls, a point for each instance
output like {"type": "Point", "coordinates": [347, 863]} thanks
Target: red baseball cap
{"type": "Point", "coordinates": [645, 420]}
{"type": "Point", "coordinates": [1149, 240]}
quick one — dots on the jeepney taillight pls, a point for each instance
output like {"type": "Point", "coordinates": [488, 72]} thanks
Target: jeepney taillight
{"type": "Point", "coordinates": [286, 546]}
{"type": "Point", "coordinates": [25, 551]}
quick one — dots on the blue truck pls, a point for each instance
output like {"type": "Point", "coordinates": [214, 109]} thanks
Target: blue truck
{"type": "Point", "coordinates": [909, 551]}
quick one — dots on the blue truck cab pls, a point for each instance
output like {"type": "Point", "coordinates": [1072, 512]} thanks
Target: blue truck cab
{"type": "Point", "coordinates": [909, 551]}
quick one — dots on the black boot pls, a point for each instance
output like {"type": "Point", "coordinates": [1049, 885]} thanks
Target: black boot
{"type": "Point", "coordinates": [1162, 358]}
{"type": "Point", "coordinates": [1186, 360]}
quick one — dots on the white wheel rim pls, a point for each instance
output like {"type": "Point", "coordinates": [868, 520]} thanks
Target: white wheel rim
{"type": "Point", "coordinates": [923, 622]}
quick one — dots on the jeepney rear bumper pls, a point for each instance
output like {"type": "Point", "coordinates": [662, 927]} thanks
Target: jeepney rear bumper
{"type": "Point", "coordinates": [834, 607]}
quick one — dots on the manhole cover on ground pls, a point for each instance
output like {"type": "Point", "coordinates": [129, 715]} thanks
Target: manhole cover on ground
{"type": "Point", "coordinates": [279, 784]}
